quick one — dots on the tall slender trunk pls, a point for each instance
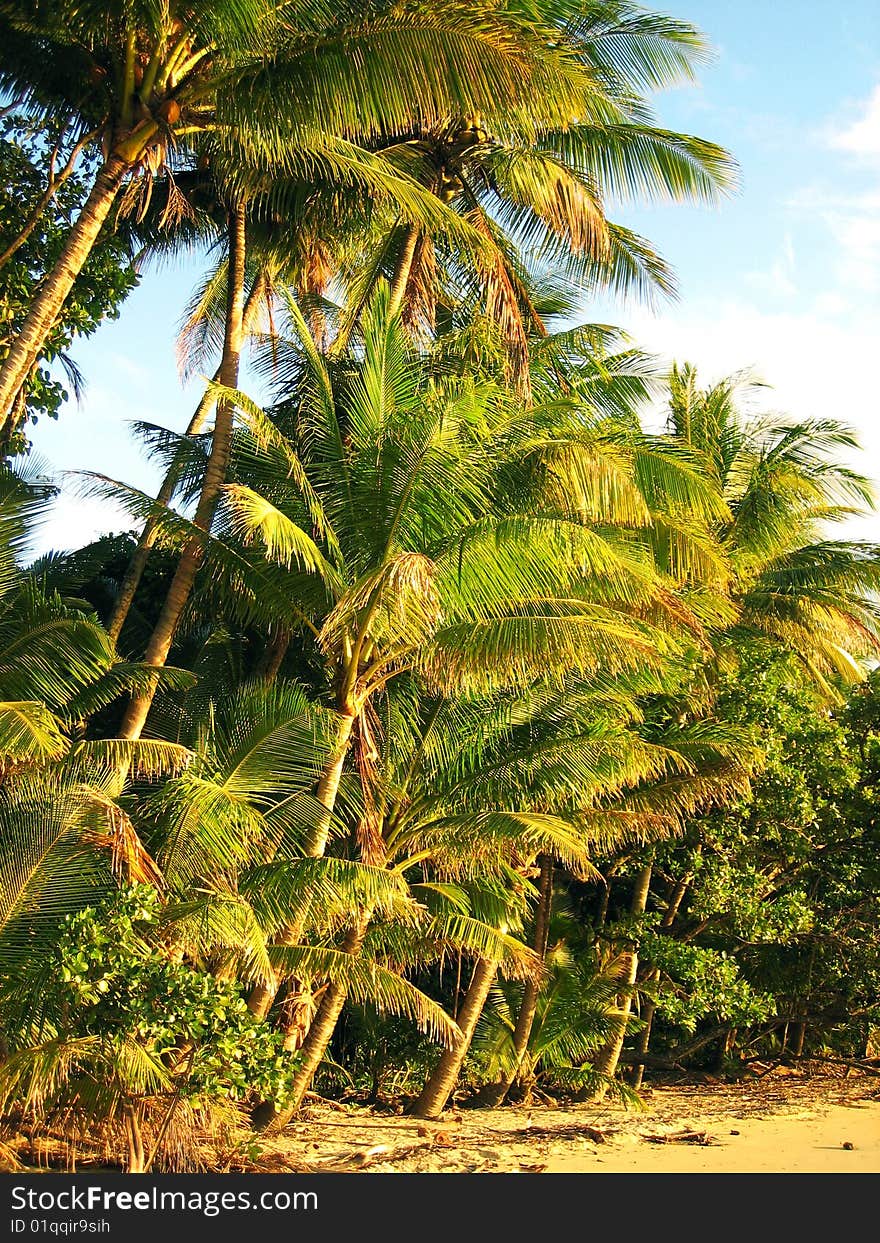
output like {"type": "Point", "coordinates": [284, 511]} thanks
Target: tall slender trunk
{"type": "Point", "coordinates": [215, 476]}
{"type": "Point", "coordinates": [328, 786]}
{"type": "Point", "coordinates": [643, 1042]}
{"type": "Point", "coordinates": [403, 268]}
{"type": "Point", "coordinates": [141, 555]}
{"type": "Point", "coordinates": [321, 1031]}
{"type": "Point", "coordinates": [273, 655]}
{"type": "Point", "coordinates": [532, 989]}
{"type": "Point", "coordinates": [800, 1035]}
{"type": "Point", "coordinates": [134, 1139]}
{"type": "Point", "coordinates": [262, 995]}
{"type": "Point", "coordinates": [608, 1057]}
{"type": "Point", "coordinates": [28, 342]}
{"type": "Point", "coordinates": [444, 1077]}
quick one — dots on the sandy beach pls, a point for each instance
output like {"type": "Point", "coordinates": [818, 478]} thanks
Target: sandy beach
{"type": "Point", "coordinates": [779, 1123]}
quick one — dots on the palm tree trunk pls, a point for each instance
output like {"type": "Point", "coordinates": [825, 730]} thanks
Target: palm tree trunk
{"type": "Point", "coordinates": [273, 655]}
{"type": "Point", "coordinates": [134, 1140]}
{"type": "Point", "coordinates": [403, 268]}
{"type": "Point", "coordinates": [609, 1056]}
{"type": "Point", "coordinates": [141, 554]}
{"type": "Point", "coordinates": [444, 1077]}
{"type": "Point", "coordinates": [650, 1008]}
{"type": "Point", "coordinates": [328, 787]}
{"type": "Point", "coordinates": [262, 995]}
{"type": "Point", "coordinates": [643, 1040]}
{"type": "Point", "coordinates": [27, 344]}
{"type": "Point", "coordinates": [321, 1031]}
{"type": "Point", "coordinates": [532, 989]}
{"type": "Point", "coordinates": [260, 998]}
{"type": "Point", "coordinates": [215, 476]}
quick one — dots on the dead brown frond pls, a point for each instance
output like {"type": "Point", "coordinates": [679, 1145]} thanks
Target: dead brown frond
{"type": "Point", "coordinates": [130, 860]}
{"type": "Point", "coordinates": [177, 206]}
{"type": "Point", "coordinates": [419, 310]}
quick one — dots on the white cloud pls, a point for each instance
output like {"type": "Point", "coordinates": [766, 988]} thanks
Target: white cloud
{"type": "Point", "coordinates": [95, 438]}
{"type": "Point", "coordinates": [862, 137]}
{"type": "Point", "coordinates": [853, 220]}
{"type": "Point", "coordinates": [75, 521]}
{"type": "Point", "coordinates": [779, 280]}
{"type": "Point", "coordinates": [851, 210]}
{"type": "Point", "coordinates": [817, 366]}
{"type": "Point", "coordinates": [831, 303]}
{"type": "Point", "coordinates": [859, 239]}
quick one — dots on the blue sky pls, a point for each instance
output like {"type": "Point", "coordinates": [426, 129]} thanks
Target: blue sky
{"type": "Point", "coordinates": [783, 277]}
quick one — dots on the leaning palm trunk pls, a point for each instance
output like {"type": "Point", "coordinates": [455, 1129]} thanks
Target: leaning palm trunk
{"type": "Point", "coordinates": [532, 988]}
{"type": "Point", "coordinates": [215, 476]}
{"type": "Point", "coordinates": [609, 1055]}
{"type": "Point", "coordinates": [141, 554]}
{"type": "Point", "coordinates": [444, 1077]}
{"type": "Point", "coordinates": [30, 340]}
{"type": "Point", "coordinates": [262, 996]}
{"type": "Point", "coordinates": [321, 1030]}
{"type": "Point", "coordinates": [328, 787]}
{"type": "Point", "coordinates": [403, 269]}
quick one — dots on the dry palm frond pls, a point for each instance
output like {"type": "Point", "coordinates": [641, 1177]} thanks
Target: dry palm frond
{"type": "Point", "coordinates": [130, 861]}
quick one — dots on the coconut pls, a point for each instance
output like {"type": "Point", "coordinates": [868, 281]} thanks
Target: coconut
{"type": "Point", "coordinates": [169, 111]}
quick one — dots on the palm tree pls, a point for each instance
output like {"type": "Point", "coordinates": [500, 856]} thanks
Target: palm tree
{"type": "Point", "coordinates": [582, 753]}
{"type": "Point", "coordinates": [785, 483]}
{"type": "Point", "coordinates": [540, 197]}
{"type": "Point", "coordinates": [326, 206]}
{"type": "Point", "coordinates": [142, 84]}
{"type": "Point", "coordinates": [326, 461]}
{"type": "Point", "coordinates": [351, 552]}
{"type": "Point", "coordinates": [569, 1018]}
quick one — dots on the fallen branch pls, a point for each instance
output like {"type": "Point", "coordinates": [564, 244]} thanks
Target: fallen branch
{"type": "Point", "coordinates": [869, 1065]}
{"type": "Point", "coordinates": [682, 1137]}
{"type": "Point", "coordinates": [673, 1059]}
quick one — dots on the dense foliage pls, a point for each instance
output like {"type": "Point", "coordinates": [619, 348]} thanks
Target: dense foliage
{"type": "Point", "coordinates": [436, 728]}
